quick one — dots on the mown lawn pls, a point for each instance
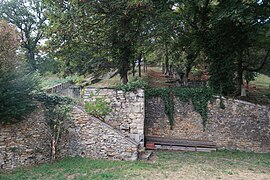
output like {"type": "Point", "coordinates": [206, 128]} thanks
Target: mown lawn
{"type": "Point", "coordinates": [262, 81]}
{"type": "Point", "coordinates": [259, 92]}
{"type": "Point", "coordinates": [163, 165]}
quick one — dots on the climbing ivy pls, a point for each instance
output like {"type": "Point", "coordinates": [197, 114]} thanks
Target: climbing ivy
{"type": "Point", "coordinates": [57, 111]}
{"type": "Point", "coordinates": [198, 96]}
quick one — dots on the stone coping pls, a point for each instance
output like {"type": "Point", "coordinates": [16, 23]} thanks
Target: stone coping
{"type": "Point", "coordinates": [242, 102]}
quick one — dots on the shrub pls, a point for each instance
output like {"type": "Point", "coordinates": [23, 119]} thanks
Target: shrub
{"type": "Point", "coordinates": [16, 95]}
{"type": "Point", "coordinates": [98, 108]}
{"type": "Point", "coordinates": [132, 85]}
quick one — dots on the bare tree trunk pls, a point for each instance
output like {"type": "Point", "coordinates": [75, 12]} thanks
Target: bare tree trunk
{"type": "Point", "coordinates": [144, 66]}
{"type": "Point", "coordinates": [125, 61]}
{"type": "Point", "coordinates": [247, 81]}
{"type": "Point", "coordinates": [166, 60]}
{"type": "Point", "coordinates": [139, 64]}
{"type": "Point", "coordinates": [124, 79]}
{"type": "Point", "coordinates": [133, 68]}
{"type": "Point", "coordinates": [239, 76]}
{"type": "Point", "coordinates": [170, 69]}
{"type": "Point", "coordinates": [124, 70]}
{"type": "Point", "coordinates": [31, 59]}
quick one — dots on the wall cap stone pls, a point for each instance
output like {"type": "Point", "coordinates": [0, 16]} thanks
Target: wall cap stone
{"type": "Point", "coordinates": [243, 102]}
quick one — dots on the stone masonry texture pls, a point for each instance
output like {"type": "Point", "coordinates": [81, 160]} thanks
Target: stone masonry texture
{"type": "Point", "coordinates": [25, 143]}
{"type": "Point", "coordinates": [241, 125]}
{"type": "Point", "coordinates": [127, 110]}
{"type": "Point", "coordinates": [90, 137]}
{"type": "Point", "coordinates": [118, 138]}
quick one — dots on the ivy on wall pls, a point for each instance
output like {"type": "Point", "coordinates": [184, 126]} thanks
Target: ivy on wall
{"type": "Point", "coordinates": [198, 96]}
{"type": "Point", "coordinates": [57, 111]}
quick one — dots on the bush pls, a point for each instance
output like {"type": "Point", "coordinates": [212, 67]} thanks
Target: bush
{"type": "Point", "coordinates": [98, 108]}
{"type": "Point", "coordinates": [16, 95]}
{"type": "Point", "coordinates": [133, 84]}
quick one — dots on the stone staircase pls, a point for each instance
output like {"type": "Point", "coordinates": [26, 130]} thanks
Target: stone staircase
{"type": "Point", "coordinates": [90, 137]}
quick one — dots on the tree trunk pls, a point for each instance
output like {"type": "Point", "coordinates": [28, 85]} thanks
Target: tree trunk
{"type": "Point", "coordinates": [247, 84]}
{"type": "Point", "coordinates": [133, 68]}
{"type": "Point", "coordinates": [166, 60]}
{"type": "Point", "coordinates": [124, 70]}
{"type": "Point", "coordinates": [188, 69]}
{"type": "Point", "coordinates": [139, 64]}
{"type": "Point", "coordinates": [125, 63]}
{"type": "Point", "coordinates": [170, 69]}
{"type": "Point", "coordinates": [31, 59]}
{"type": "Point", "coordinates": [144, 66]}
{"type": "Point", "coordinates": [239, 76]}
{"type": "Point", "coordinates": [124, 79]}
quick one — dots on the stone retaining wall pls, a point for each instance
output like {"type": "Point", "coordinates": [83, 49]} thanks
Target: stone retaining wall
{"type": "Point", "coordinates": [90, 137]}
{"type": "Point", "coordinates": [25, 143]}
{"type": "Point", "coordinates": [127, 113]}
{"type": "Point", "coordinates": [241, 125]}
{"type": "Point", "coordinates": [29, 142]}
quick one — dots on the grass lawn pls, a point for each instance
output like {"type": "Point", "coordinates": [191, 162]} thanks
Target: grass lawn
{"type": "Point", "coordinates": [52, 80]}
{"type": "Point", "coordinates": [260, 93]}
{"type": "Point", "coordinates": [262, 81]}
{"type": "Point", "coordinates": [163, 165]}
{"type": "Point", "coordinates": [153, 77]}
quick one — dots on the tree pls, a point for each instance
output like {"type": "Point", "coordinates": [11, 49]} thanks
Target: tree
{"type": "Point", "coordinates": [103, 32]}
{"type": "Point", "coordinates": [16, 85]}
{"type": "Point", "coordinates": [227, 32]}
{"type": "Point", "coordinates": [246, 38]}
{"type": "Point", "coordinates": [9, 42]}
{"type": "Point", "coordinates": [28, 16]}
{"type": "Point", "coordinates": [165, 27]}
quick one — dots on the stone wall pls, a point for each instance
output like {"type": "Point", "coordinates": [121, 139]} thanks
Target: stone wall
{"type": "Point", "coordinates": [90, 137]}
{"type": "Point", "coordinates": [241, 125]}
{"type": "Point", "coordinates": [25, 143]}
{"type": "Point", "coordinates": [127, 113]}
{"type": "Point", "coordinates": [28, 142]}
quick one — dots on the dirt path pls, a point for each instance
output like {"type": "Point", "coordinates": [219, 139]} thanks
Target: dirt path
{"type": "Point", "coordinates": [155, 78]}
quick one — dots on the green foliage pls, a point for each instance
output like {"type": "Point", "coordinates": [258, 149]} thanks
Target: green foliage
{"type": "Point", "coordinates": [250, 76]}
{"type": "Point", "coordinates": [133, 84]}
{"type": "Point", "coordinates": [97, 35]}
{"type": "Point", "coordinates": [262, 81]}
{"type": "Point", "coordinates": [57, 111]}
{"type": "Point", "coordinates": [47, 65]}
{"type": "Point", "coordinates": [16, 95]}
{"type": "Point", "coordinates": [52, 80]}
{"type": "Point", "coordinates": [28, 16]}
{"type": "Point", "coordinates": [57, 107]}
{"type": "Point", "coordinates": [198, 96]}
{"type": "Point", "coordinates": [98, 108]}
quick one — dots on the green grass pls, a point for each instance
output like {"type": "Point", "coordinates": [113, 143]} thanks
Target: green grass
{"type": "Point", "coordinates": [262, 81]}
{"type": "Point", "coordinates": [111, 82]}
{"type": "Point", "coordinates": [165, 165]}
{"type": "Point", "coordinates": [51, 80]}
{"type": "Point", "coordinates": [260, 94]}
